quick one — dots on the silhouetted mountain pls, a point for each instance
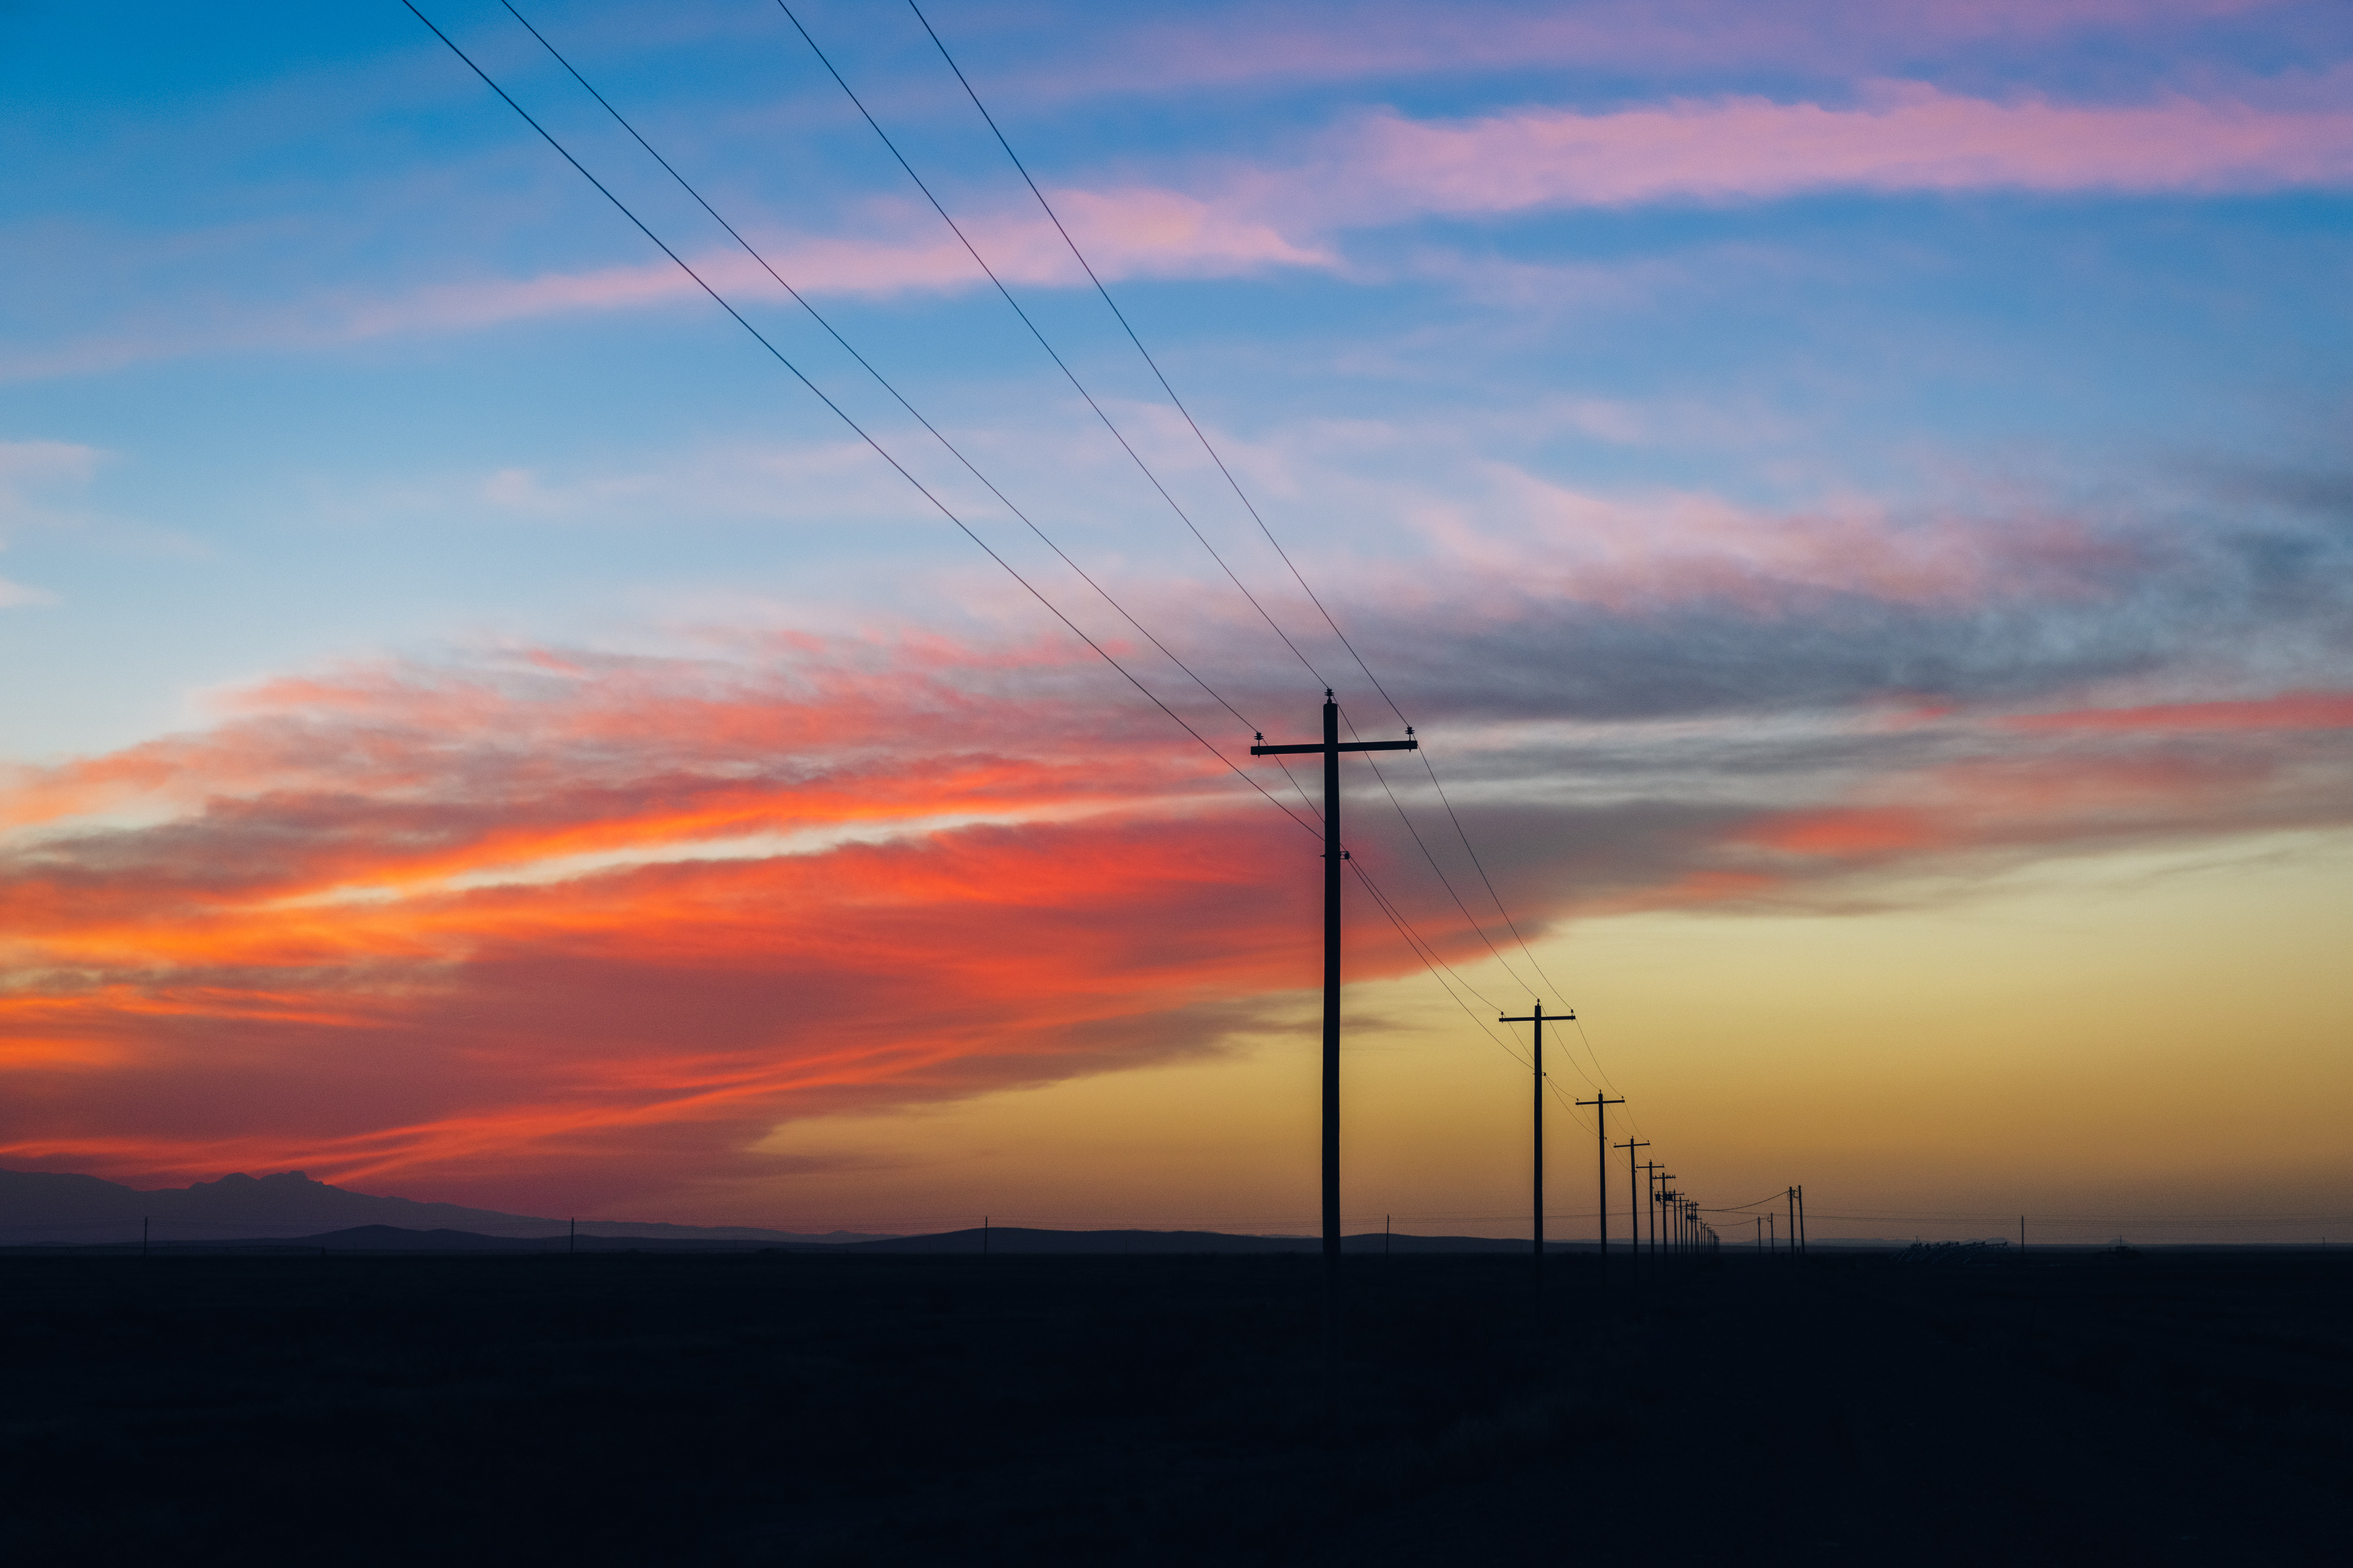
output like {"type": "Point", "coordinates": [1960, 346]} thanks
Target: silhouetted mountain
{"type": "Point", "coordinates": [44, 1208]}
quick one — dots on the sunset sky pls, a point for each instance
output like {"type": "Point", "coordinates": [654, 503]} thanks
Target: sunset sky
{"type": "Point", "coordinates": [1853, 497]}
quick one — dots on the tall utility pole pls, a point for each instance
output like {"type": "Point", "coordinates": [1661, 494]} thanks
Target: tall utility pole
{"type": "Point", "coordinates": [1633, 1215]}
{"type": "Point", "coordinates": [1793, 1221]}
{"type": "Point", "coordinates": [1330, 747]}
{"type": "Point", "coordinates": [1801, 1219]}
{"type": "Point", "coordinates": [1601, 1104]}
{"type": "Point", "coordinates": [1538, 1018]}
{"type": "Point", "coordinates": [1652, 1169]}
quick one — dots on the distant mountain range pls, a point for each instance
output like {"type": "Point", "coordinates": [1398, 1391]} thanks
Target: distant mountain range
{"type": "Point", "coordinates": [48, 1208]}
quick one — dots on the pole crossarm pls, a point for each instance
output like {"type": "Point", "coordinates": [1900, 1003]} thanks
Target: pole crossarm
{"type": "Point", "coordinates": [1337, 746]}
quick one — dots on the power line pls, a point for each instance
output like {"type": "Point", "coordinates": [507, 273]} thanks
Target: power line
{"type": "Point", "coordinates": [867, 365]}
{"type": "Point", "coordinates": [1115, 311]}
{"type": "Point", "coordinates": [1059, 362]}
{"type": "Point", "coordinates": [843, 414]}
{"type": "Point", "coordinates": [1416, 943]}
{"type": "Point", "coordinates": [1239, 493]}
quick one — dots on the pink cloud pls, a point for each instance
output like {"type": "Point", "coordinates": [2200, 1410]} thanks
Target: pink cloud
{"type": "Point", "coordinates": [2289, 710]}
{"type": "Point", "coordinates": [1906, 136]}
{"type": "Point", "coordinates": [1640, 554]}
{"type": "Point", "coordinates": [1129, 231]}
{"type": "Point", "coordinates": [1373, 40]}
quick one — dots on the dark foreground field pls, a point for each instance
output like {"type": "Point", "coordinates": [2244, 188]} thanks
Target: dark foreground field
{"type": "Point", "coordinates": [2189, 1409]}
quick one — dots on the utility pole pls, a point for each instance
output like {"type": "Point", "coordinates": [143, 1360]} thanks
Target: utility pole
{"type": "Point", "coordinates": [1601, 1104]}
{"type": "Point", "coordinates": [1793, 1221]}
{"type": "Point", "coordinates": [1330, 747]}
{"type": "Point", "coordinates": [1634, 1216]}
{"type": "Point", "coordinates": [1538, 1018]}
{"type": "Point", "coordinates": [1651, 1181]}
{"type": "Point", "coordinates": [1801, 1219]}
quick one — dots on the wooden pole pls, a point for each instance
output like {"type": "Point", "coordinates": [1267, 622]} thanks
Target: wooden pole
{"type": "Point", "coordinates": [1330, 747]}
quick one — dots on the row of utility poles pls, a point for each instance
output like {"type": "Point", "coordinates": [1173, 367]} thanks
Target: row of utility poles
{"type": "Point", "coordinates": [1676, 1227]}
{"type": "Point", "coordinates": [1675, 1222]}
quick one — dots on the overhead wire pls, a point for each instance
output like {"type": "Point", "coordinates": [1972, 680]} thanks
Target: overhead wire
{"type": "Point", "coordinates": [1051, 352]}
{"type": "Point", "coordinates": [843, 414]}
{"type": "Point", "coordinates": [1207, 446]}
{"type": "Point", "coordinates": [1419, 946]}
{"type": "Point", "coordinates": [1030, 324]}
{"type": "Point", "coordinates": [1416, 943]}
{"type": "Point", "coordinates": [883, 381]}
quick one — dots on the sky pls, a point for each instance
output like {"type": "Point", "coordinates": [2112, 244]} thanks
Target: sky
{"type": "Point", "coordinates": [1852, 499]}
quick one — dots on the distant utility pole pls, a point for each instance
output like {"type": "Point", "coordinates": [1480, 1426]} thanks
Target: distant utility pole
{"type": "Point", "coordinates": [1330, 747]}
{"type": "Point", "coordinates": [1661, 1214]}
{"type": "Point", "coordinates": [1652, 1168]}
{"type": "Point", "coordinates": [1538, 1018]}
{"type": "Point", "coordinates": [1601, 1104]}
{"type": "Point", "coordinates": [1801, 1219]}
{"type": "Point", "coordinates": [1793, 1221]}
{"type": "Point", "coordinates": [1633, 1215]}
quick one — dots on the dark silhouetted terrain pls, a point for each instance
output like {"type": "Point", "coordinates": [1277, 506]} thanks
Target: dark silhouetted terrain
{"type": "Point", "coordinates": [822, 1408]}
{"type": "Point", "coordinates": [58, 1208]}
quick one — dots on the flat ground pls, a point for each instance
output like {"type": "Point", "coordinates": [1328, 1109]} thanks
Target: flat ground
{"type": "Point", "coordinates": [2191, 1408]}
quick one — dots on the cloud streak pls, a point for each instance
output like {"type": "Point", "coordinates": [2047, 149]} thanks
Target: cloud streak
{"type": "Point", "coordinates": [1903, 137]}
{"type": "Point", "coordinates": [510, 927]}
{"type": "Point", "coordinates": [1373, 172]}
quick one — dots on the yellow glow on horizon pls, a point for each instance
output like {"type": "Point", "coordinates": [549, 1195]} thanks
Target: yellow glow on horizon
{"type": "Point", "coordinates": [2103, 1041]}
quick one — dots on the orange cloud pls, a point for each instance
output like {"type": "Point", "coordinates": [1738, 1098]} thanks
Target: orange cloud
{"type": "Point", "coordinates": [523, 934]}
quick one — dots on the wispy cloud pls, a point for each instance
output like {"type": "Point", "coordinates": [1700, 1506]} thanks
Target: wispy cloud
{"type": "Point", "coordinates": [1262, 44]}
{"type": "Point", "coordinates": [1130, 232]}
{"type": "Point", "coordinates": [1294, 210]}
{"type": "Point", "coordinates": [1902, 137]}
{"type": "Point", "coordinates": [658, 906]}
